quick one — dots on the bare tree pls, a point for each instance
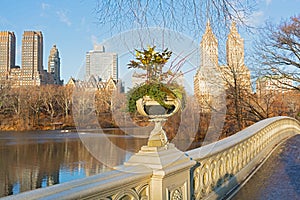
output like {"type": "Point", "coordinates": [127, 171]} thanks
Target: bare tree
{"type": "Point", "coordinates": [292, 100]}
{"type": "Point", "coordinates": [49, 103]}
{"type": "Point", "coordinates": [102, 101]}
{"type": "Point", "coordinates": [64, 100]}
{"type": "Point", "coordinates": [15, 102]}
{"type": "Point", "coordinates": [278, 51]}
{"type": "Point", "coordinates": [188, 15]}
{"type": "Point", "coordinates": [238, 92]}
{"type": "Point", "coordinates": [83, 107]}
{"type": "Point", "coordinates": [34, 101]}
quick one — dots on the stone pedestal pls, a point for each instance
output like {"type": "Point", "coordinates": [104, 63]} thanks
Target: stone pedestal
{"type": "Point", "coordinates": [171, 171]}
{"type": "Point", "coordinates": [158, 137]}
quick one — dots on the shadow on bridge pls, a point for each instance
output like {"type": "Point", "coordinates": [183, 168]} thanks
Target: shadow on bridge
{"type": "Point", "coordinates": [279, 177]}
{"type": "Point", "coordinates": [225, 185]}
{"type": "Point", "coordinates": [291, 158]}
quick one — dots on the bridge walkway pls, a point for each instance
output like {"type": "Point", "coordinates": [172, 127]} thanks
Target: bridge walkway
{"type": "Point", "coordinates": [278, 178]}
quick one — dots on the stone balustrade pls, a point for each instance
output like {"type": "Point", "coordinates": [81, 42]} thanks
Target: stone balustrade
{"type": "Point", "coordinates": [116, 184]}
{"type": "Point", "coordinates": [212, 171]}
{"type": "Point", "coordinates": [226, 163]}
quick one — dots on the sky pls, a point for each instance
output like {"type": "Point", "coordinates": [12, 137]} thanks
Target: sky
{"type": "Point", "coordinates": [72, 26]}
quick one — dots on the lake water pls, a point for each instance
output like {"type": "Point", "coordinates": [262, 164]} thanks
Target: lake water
{"type": "Point", "coordinates": [30, 160]}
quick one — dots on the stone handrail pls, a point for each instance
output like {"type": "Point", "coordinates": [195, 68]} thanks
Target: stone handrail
{"type": "Point", "coordinates": [208, 172]}
{"type": "Point", "coordinates": [226, 163]}
{"type": "Point", "coordinates": [115, 184]}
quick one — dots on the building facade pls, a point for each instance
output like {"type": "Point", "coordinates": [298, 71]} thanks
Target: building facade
{"type": "Point", "coordinates": [31, 72]}
{"type": "Point", "coordinates": [7, 53]}
{"type": "Point", "coordinates": [209, 48]}
{"type": "Point", "coordinates": [236, 72]}
{"type": "Point", "coordinates": [205, 77]}
{"type": "Point", "coordinates": [273, 85]}
{"type": "Point", "coordinates": [109, 85]}
{"type": "Point", "coordinates": [212, 80]}
{"type": "Point", "coordinates": [32, 58]}
{"type": "Point", "coordinates": [54, 66]}
{"type": "Point", "coordinates": [101, 65]}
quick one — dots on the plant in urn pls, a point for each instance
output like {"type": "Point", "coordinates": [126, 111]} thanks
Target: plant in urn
{"type": "Point", "coordinates": [159, 97]}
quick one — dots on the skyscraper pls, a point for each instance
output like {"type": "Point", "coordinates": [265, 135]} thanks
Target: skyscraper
{"type": "Point", "coordinates": [32, 58]}
{"type": "Point", "coordinates": [7, 53]}
{"type": "Point", "coordinates": [101, 65]}
{"type": "Point", "coordinates": [207, 75]}
{"type": "Point", "coordinates": [31, 71]}
{"type": "Point", "coordinates": [54, 65]}
{"type": "Point", "coordinates": [212, 79]}
{"type": "Point", "coordinates": [209, 48]}
{"type": "Point", "coordinates": [235, 61]}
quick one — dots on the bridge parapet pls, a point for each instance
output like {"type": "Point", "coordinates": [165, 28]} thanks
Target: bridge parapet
{"type": "Point", "coordinates": [114, 184]}
{"type": "Point", "coordinates": [208, 172]}
{"type": "Point", "coordinates": [226, 163]}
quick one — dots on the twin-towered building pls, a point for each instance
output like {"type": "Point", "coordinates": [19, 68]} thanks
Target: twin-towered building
{"type": "Point", "coordinates": [7, 52]}
{"type": "Point", "coordinates": [212, 80]}
{"type": "Point", "coordinates": [31, 72]}
{"type": "Point", "coordinates": [102, 66]}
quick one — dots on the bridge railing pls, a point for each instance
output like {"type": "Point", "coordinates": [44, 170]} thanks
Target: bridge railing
{"type": "Point", "coordinates": [116, 184]}
{"type": "Point", "coordinates": [208, 172]}
{"type": "Point", "coordinates": [226, 163]}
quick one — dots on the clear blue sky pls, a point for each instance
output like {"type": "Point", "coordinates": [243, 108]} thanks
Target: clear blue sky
{"type": "Point", "coordinates": [72, 25]}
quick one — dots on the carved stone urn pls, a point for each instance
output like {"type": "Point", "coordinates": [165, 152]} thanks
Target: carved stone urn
{"type": "Point", "coordinates": [158, 114]}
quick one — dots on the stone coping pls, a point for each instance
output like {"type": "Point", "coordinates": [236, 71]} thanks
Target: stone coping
{"type": "Point", "coordinates": [221, 145]}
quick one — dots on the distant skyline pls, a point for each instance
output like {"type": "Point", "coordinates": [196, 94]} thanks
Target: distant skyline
{"type": "Point", "coordinates": [72, 26]}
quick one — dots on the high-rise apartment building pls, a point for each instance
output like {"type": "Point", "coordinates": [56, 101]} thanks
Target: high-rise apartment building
{"type": "Point", "coordinates": [236, 68]}
{"type": "Point", "coordinates": [31, 71]}
{"type": "Point", "coordinates": [274, 84]}
{"type": "Point", "coordinates": [212, 79]}
{"type": "Point", "coordinates": [207, 77]}
{"type": "Point", "coordinates": [7, 53]}
{"type": "Point", "coordinates": [101, 65]}
{"type": "Point", "coordinates": [209, 48]}
{"type": "Point", "coordinates": [54, 65]}
{"type": "Point", "coordinates": [32, 58]}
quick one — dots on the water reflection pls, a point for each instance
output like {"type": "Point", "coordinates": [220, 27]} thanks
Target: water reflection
{"type": "Point", "coordinates": [31, 160]}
